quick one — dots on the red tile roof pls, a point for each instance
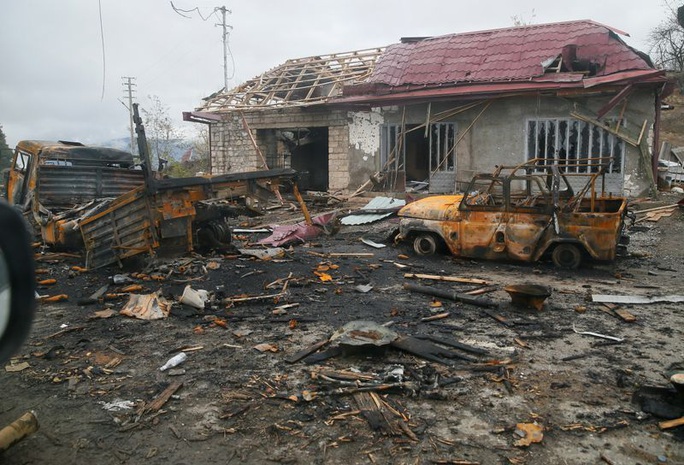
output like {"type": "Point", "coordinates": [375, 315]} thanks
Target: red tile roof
{"type": "Point", "coordinates": [500, 55]}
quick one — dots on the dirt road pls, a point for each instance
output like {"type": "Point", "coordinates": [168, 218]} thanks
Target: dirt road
{"type": "Point", "coordinates": [100, 397]}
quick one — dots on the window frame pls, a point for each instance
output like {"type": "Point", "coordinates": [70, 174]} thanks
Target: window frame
{"type": "Point", "coordinates": [25, 158]}
{"type": "Point", "coordinates": [389, 139]}
{"type": "Point", "coordinates": [391, 135]}
{"type": "Point", "coordinates": [442, 147]}
{"type": "Point", "coordinates": [579, 136]}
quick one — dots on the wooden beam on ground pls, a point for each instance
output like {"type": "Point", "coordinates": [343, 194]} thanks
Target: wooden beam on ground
{"type": "Point", "coordinates": [455, 296]}
{"type": "Point", "coordinates": [671, 423]}
{"type": "Point", "coordinates": [626, 316]}
{"type": "Point", "coordinates": [297, 356]}
{"type": "Point", "coordinates": [18, 430]}
{"type": "Point", "coordinates": [452, 279]}
{"type": "Point", "coordinates": [164, 397]}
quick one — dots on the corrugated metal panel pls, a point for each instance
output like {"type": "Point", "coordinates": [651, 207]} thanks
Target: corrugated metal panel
{"type": "Point", "coordinates": [503, 54]}
{"type": "Point", "coordinates": [70, 185]}
{"type": "Point", "coordinates": [377, 203]}
{"type": "Point", "coordinates": [122, 231]}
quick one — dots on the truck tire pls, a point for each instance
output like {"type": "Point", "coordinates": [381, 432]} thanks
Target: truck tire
{"type": "Point", "coordinates": [567, 256]}
{"type": "Point", "coordinates": [425, 244]}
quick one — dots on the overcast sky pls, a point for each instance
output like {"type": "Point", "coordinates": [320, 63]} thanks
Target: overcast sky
{"type": "Point", "coordinates": [51, 64]}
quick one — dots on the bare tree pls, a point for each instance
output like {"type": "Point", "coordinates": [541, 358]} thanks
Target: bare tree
{"type": "Point", "coordinates": [520, 20]}
{"type": "Point", "coordinates": [160, 131]}
{"type": "Point", "coordinates": [666, 41]}
{"type": "Point", "coordinates": [201, 146]}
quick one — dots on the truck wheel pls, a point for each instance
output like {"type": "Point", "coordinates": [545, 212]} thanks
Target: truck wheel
{"type": "Point", "coordinates": [425, 244]}
{"type": "Point", "coordinates": [567, 256]}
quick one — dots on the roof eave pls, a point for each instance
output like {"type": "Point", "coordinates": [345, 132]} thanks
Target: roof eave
{"type": "Point", "coordinates": [497, 89]}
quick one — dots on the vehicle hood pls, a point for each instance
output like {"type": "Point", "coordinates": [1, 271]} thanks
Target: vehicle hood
{"type": "Point", "coordinates": [438, 207]}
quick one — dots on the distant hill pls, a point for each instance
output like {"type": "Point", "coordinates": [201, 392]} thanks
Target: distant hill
{"type": "Point", "coordinates": [176, 147]}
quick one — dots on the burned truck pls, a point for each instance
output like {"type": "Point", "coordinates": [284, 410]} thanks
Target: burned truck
{"type": "Point", "coordinates": [56, 183]}
{"type": "Point", "coordinates": [525, 213]}
{"type": "Point", "coordinates": [100, 200]}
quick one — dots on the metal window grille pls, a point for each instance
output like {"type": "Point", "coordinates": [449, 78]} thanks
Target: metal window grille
{"type": "Point", "coordinates": [442, 150]}
{"type": "Point", "coordinates": [442, 138]}
{"type": "Point", "coordinates": [274, 160]}
{"type": "Point", "coordinates": [576, 146]}
{"type": "Point", "coordinates": [391, 150]}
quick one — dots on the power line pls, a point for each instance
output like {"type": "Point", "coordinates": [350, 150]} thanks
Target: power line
{"type": "Point", "coordinates": [196, 9]}
{"type": "Point", "coordinates": [99, 4]}
{"type": "Point", "coordinates": [225, 35]}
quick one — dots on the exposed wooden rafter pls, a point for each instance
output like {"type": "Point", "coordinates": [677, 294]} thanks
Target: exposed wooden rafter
{"type": "Point", "coordinates": [297, 82]}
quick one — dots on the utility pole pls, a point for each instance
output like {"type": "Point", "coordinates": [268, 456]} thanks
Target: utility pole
{"type": "Point", "coordinates": [225, 27]}
{"type": "Point", "coordinates": [128, 93]}
{"type": "Point", "coordinates": [226, 34]}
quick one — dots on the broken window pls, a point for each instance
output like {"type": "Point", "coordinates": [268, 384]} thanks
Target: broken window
{"type": "Point", "coordinates": [576, 146]}
{"type": "Point", "coordinates": [418, 157]}
{"type": "Point", "coordinates": [442, 148]}
{"type": "Point", "coordinates": [439, 143]}
{"type": "Point", "coordinates": [22, 161]}
{"type": "Point", "coordinates": [391, 150]}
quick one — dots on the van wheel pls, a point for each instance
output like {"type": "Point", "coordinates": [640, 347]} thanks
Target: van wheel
{"type": "Point", "coordinates": [567, 256]}
{"type": "Point", "coordinates": [425, 244]}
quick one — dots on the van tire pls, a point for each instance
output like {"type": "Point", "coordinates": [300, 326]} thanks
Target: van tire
{"type": "Point", "coordinates": [425, 244]}
{"type": "Point", "coordinates": [567, 256]}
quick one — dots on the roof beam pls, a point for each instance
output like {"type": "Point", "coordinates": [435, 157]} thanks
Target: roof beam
{"type": "Point", "coordinates": [612, 103]}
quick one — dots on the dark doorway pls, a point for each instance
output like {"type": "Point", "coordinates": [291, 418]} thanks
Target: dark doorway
{"type": "Point", "coordinates": [308, 149]}
{"type": "Point", "coordinates": [417, 156]}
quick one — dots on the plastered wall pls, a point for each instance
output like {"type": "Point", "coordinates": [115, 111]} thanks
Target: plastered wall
{"type": "Point", "coordinates": [497, 136]}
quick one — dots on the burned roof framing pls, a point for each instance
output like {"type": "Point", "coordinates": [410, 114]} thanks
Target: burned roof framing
{"type": "Point", "coordinates": [298, 82]}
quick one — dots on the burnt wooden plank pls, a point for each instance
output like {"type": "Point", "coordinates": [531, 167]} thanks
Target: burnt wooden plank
{"type": "Point", "coordinates": [324, 355]}
{"type": "Point", "coordinates": [297, 356]}
{"type": "Point", "coordinates": [164, 397]}
{"type": "Point", "coordinates": [455, 296]}
{"type": "Point", "coordinates": [454, 343]}
{"type": "Point", "coordinates": [427, 350]}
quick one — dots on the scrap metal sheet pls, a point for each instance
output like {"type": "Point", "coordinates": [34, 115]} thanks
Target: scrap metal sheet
{"type": "Point", "coordinates": [121, 231]}
{"type": "Point", "coordinates": [377, 203]}
{"type": "Point", "coordinates": [636, 299]}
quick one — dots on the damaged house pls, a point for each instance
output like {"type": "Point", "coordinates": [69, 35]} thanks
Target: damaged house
{"type": "Point", "coordinates": [429, 112]}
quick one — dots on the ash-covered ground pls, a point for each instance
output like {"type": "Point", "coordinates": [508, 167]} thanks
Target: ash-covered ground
{"type": "Point", "coordinates": [92, 375]}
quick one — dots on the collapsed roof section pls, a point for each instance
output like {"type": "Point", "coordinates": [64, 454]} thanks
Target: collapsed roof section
{"type": "Point", "coordinates": [297, 82]}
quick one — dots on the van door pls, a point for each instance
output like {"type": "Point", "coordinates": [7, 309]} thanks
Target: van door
{"type": "Point", "coordinates": [530, 216]}
{"type": "Point", "coordinates": [483, 215]}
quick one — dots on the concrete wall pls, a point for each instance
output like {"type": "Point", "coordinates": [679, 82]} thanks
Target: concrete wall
{"type": "Point", "coordinates": [498, 136]}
